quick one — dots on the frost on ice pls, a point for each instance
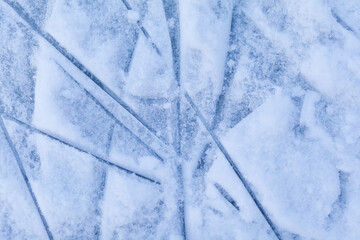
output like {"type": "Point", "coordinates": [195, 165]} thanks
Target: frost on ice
{"type": "Point", "coordinates": [166, 119]}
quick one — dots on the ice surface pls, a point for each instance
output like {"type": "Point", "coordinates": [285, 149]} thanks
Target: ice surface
{"type": "Point", "coordinates": [272, 157]}
{"type": "Point", "coordinates": [17, 72]}
{"type": "Point", "coordinates": [19, 218]}
{"type": "Point", "coordinates": [64, 180]}
{"type": "Point", "coordinates": [165, 119]}
{"type": "Point", "coordinates": [132, 210]}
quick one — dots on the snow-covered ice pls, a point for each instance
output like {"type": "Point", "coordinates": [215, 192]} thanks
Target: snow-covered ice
{"type": "Point", "coordinates": [166, 119]}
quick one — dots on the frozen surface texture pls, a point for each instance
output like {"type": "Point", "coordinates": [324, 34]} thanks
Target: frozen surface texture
{"type": "Point", "coordinates": [180, 119]}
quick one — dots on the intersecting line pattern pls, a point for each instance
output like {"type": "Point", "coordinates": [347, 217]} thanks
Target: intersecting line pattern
{"type": "Point", "coordinates": [102, 87]}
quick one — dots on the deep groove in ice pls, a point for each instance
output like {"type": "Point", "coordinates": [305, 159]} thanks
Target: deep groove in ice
{"type": "Point", "coordinates": [227, 196]}
{"type": "Point", "coordinates": [109, 140]}
{"type": "Point", "coordinates": [147, 36]}
{"type": "Point", "coordinates": [51, 40]}
{"type": "Point", "coordinates": [127, 5]}
{"type": "Point", "coordinates": [80, 149]}
{"type": "Point", "coordinates": [171, 10]}
{"type": "Point", "coordinates": [143, 29]}
{"type": "Point", "coordinates": [342, 23]}
{"type": "Point", "coordinates": [23, 173]}
{"type": "Point", "coordinates": [131, 55]}
{"type": "Point", "coordinates": [171, 14]}
{"type": "Point", "coordinates": [229, 70]}
{"type": "Point", "coordinates": [234, 167]}
{"type": "Point", "coordinates": [201, 162]}
{"type": "Point", "coordinates": [101, 197]}
{"type": "Point", "coordinates": [111, 115]}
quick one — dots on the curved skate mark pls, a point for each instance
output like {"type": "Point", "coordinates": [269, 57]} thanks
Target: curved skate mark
{"type": "Point", "coordinates": [201, 163]}
{"type": "Point", "coordinates": [50, 39]}
{"type": "Point", "coordinates": [72, 145]}
{"type": "Point", "coordinates": [234, 167]}
{"type": "Point", "coordinates": [227, 196]}
{"type": "Point", "coordinates": [342, 198]}
{"type": "Point", "coordinates": [23, 173]}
